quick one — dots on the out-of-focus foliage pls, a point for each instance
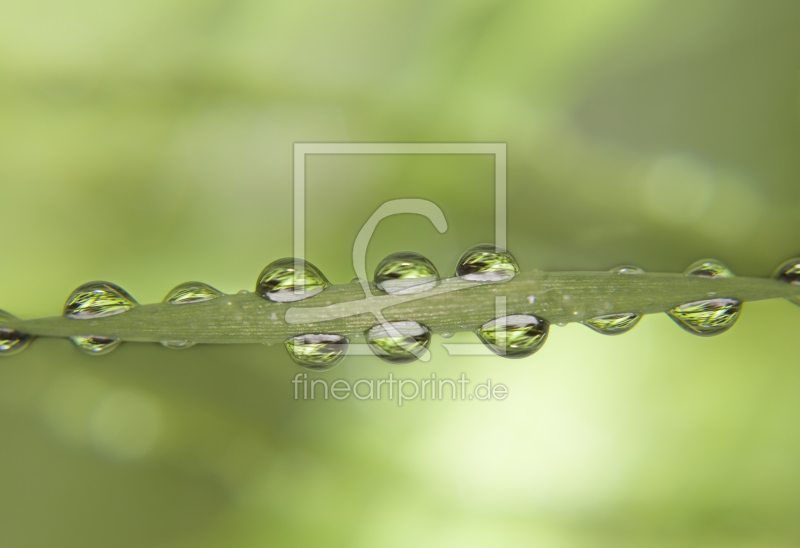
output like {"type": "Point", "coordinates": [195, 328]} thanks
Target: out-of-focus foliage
{"type": "Point", "coordinates": [150, 143]}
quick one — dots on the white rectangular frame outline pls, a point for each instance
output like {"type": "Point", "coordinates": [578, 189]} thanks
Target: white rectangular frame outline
{"type": "Point", "coordinates": [498, 150]}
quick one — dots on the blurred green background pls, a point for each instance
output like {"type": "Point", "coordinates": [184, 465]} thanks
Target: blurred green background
{"type": "Point", "coordinates": [150, 143]}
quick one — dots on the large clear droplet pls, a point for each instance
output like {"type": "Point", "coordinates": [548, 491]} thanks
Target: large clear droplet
{"type": "Point", "coordinates": [192, 292]}
{"type": "Point", "coordinates": [281, 282]}
{"type": "Point", "coordinates": [98, 300]}
{"type": "Point", "coordinates": [627, 269]}
{"type": "Point", "coordinates": [487, 263]}
{"type": "Point", "coordinates": [317, 352]}
{"type": "Point", "coordinates": [613, 324]}
{"type": "Point", "coordinates": [709, 268]}
{"type": "Point", "coordinates": [514, 336]}
{"type": "Point", "coordinates": [399, 342]}
{"type": "Point", "coordinates": [12, 341]}
{"type": "Point", "coordinates": [94, 345]}
{"type": "Point", "coordinates": [177, 345]}
{"type": "Point", "coordinates": [707, 318]}
{"type": "Point", "coordinates": [405, 273]}
{"type": "Point", "coordinates": [789, 272]}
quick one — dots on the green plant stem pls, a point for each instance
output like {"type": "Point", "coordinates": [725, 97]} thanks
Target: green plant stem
{"type": "Point", "coordinates": [453, 306]}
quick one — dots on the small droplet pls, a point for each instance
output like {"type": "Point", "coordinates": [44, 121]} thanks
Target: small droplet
{"type": "Point", "coordinates": [531, 299]}
{"type": "Point", "coordinates": [405, 273]}
{"type": "Point", "coordinates": [515, 336]}
{"type": "Point", "coordinates": [177, 345]}
{"type": "Point", "coordinates": [281, 282]}
{"type": "Point", "coordinates": [707, 318]}
{"type": "Point", "coordinates": [317, 352]}
{"type": "Point", "coordinates": [627, 269]}
{"type": "Point", "coordinates": [613, 324]}
{"type": "Point", "coordinates": [487, 263]}
{"type": "Point", "coordinates": [192, 292]}
{"type": "Point", "coordinates": [273, 317]}
{"type": "Point", "coordinates": [94, 345]}
{"type": "Point", "coordinates": [447, 335]}
{"type": "Point", "coordinates": [357, 280]}
{"type": "Point", "coordinates": [399, 342]}
{"type": "Point", "coordinates": [243, 292]}
{"type": "Point", "coordinates": [789, 272]}
{"type": "Point", "coordinates": [12, 341]}
{"type": "Point", "coordinates": [709, 268]}
{"type": "Point", "coordinates": [97, 300]}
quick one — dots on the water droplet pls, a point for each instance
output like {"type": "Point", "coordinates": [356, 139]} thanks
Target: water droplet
{"type": "Point", "coordinates": [613, 324]}
{"type": "Point", "coordinates": [447, 335]}
{"type": "Point", "coordinates": [317, 352]}
{"type": "Point", "coordinates": [398, 342]}
{"type": "Point", "coordinates": [357, 280]}
{"type": "Point", "coordinates": [789, 272]}
{"type": "Point", "coordinates": [243, 292]}
{"type": "Point", "coordinates": [280, 282]}
{"type": "Point", "coordinates": [709, 268]}
{"type": "Point", "coordinates": [177, 345]}
{"type": "Point", "coordinates": [273, 317]}
{"type": "Point", "coordinates": [515, 336]}
{"type": "Point", "coordinates": [94, 345]}
{"type": "Point", "coordinates": [12, 341]}
{"type": "Point", "coordinates": [706, 318]}
{"type": "Point", "coordinates": [405, 273]}
{"type": "Point", "coordinates": [192, 292]}
{"type": "Point", "coordinates": [531, 299]}
{"type": "Point", "coordinates": [487, 263]}
{"type": "Point", "coordinates": [627, 269]}
{"type": "Point", "coordinates": [97, 300]}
